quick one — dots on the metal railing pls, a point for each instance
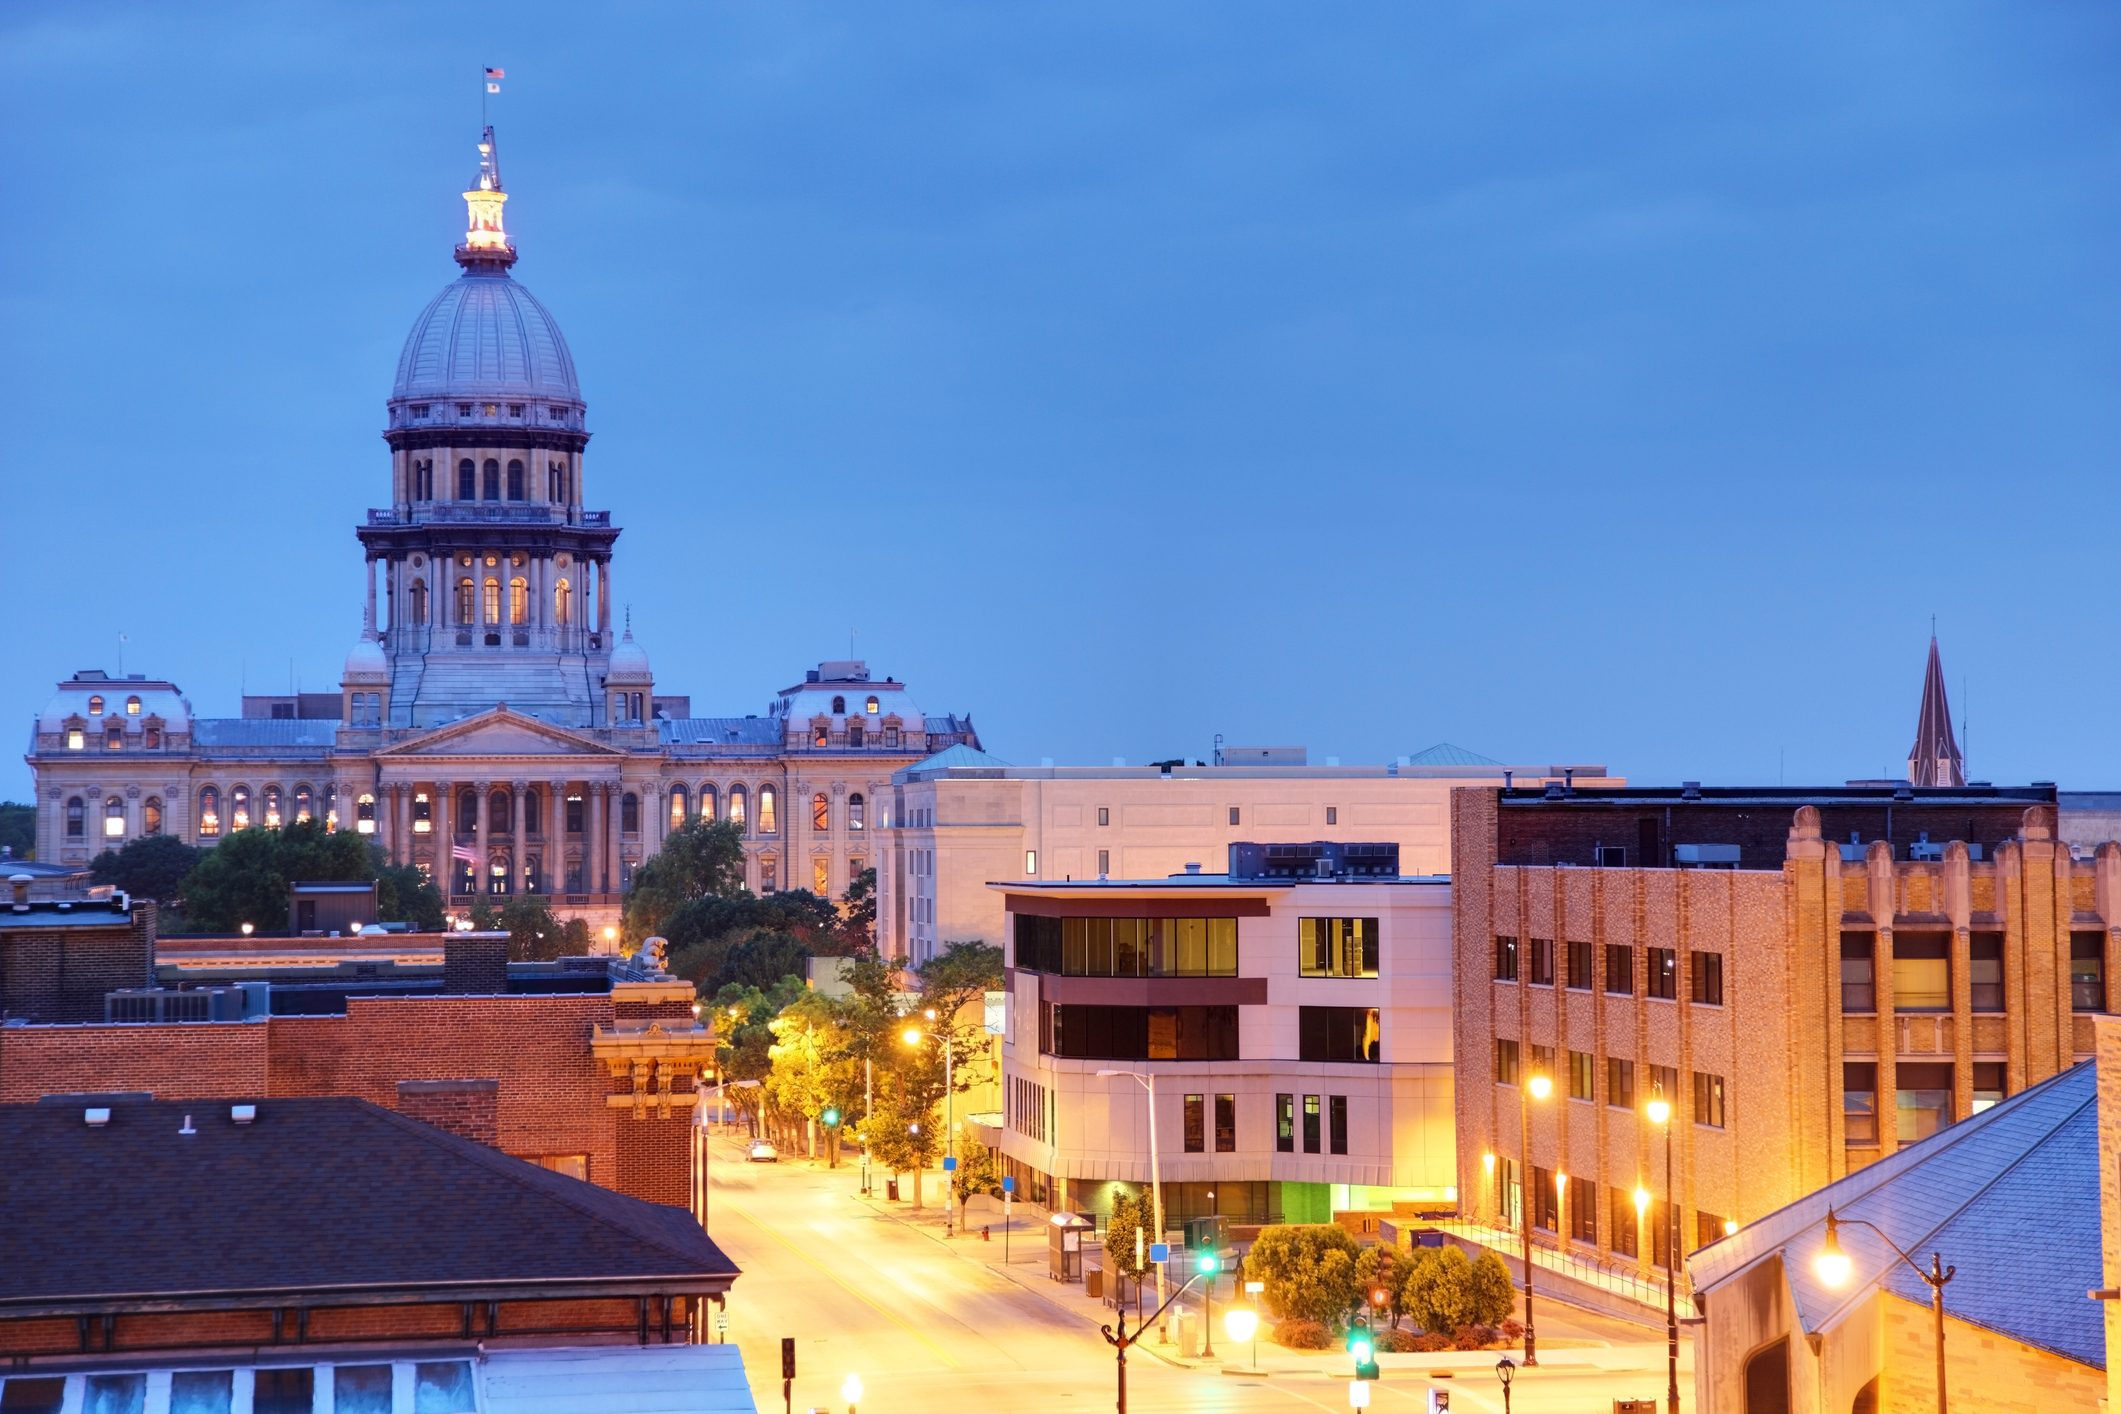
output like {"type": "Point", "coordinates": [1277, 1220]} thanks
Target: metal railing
{"type": "Point", "coordinates": [1622, 1277]}
{"type": "Point", "coordinates": [488, 513]}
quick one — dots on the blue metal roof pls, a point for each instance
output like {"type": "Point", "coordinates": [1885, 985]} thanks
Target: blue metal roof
{"type": "Point", "coordinates": [1445, 754]}
{"type": "Point", "coordinates": [233, 732]}
{"type": "Point", "coordinates": [956, 758]}
{"type": "Point", "coordinates": [720, 731]}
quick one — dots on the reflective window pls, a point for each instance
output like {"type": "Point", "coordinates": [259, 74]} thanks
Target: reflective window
{"type": "Point", "coordinates": [492, 479]}
{"type": "Point", "coordinates": [33, 1394]}
{"type": "Point", "coordinates": [151, 816]}
{"type": "Point", "coordinates": [360, 1389]}
{"type": "Point", "coordinates": [76, 818]}
{"type": "Point", "coordinates": [2087, 972]}
{"type": "Point", "coordinates": [1127, 947]}
{"type": "Point", "coordinates": [1859, 984]}
{"type": "Point", "coordinates": [820, 812]}
{"type": "Point", "coordinates": [444, 1386]}
{"type": "Point", "coordinates": [1923, 1098]}
{"type": "Point", "coordinates": [284, 1391]}
{"type": "Point", "coordinates": [854, 735]}
{"type": "Point", "coordinates": [1143, 1033]}
{"type": "Point", "coordinates": [821, 877]}
{"type": "Point", "coordinates": [736, 808]}
{"type": "Point", "coordinates": [114, 1394]}
{"type": "Point", "coordinates": [769, 823]}
{"type": "Point", "coordinates": [629, 814]}
{"type": "Point", "coordinates": [202, 1391]}
{"type": "Point", "coordinates": [1922, 971]}
{"type": "Point", "coordinates": [839, 706]}
{"type": "Point", "coordinates": [1985, 971]}
{"type": "Point", "coordinates": [1336, 947]}
{"type": "Point", "coordinates": [1337, 1033]}
{"type": "Point", "coordinates": [114, 818]}
{"type": "Point", "coordinates": [855, 818]}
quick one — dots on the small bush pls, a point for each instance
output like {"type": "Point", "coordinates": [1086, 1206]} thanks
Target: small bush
{"type": "Point", "coordinates": [1397, 1342]}
{"type": "Point", "coordinates": [1297, 1334]}
{"type": "Point", "coordinates": [1513, 1330]}
{"type": "Point", "coordinates": [1472, 1337]}
{"type": "Point", "coordinates": [1430, 1342]}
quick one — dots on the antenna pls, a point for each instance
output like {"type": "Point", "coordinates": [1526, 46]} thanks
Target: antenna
{"type": "Point", "coordinates": [121, 654]}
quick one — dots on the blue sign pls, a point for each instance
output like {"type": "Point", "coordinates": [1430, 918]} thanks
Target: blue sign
{"type": "Point", "coordinates": [949, 1162]}
{"type": "Point", "coordinates": [1008, 1185]}
{"type": "Point", "coordinates": [1159, 1251]}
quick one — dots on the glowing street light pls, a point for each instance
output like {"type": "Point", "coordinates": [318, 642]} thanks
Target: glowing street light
{"type": "Point", "coordinates": [851, 1391]}
{"type": "Point", "coordinates": [1834, 1268]}
{"type": "Point", "coordinates": [1536, 1087]}
{"type": "Point", "coordinates": [1241, 1323]}
{"type": "Point", "coordinates": [1659, 1110]}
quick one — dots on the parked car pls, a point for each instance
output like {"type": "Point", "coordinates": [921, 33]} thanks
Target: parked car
{"type": "Point", "coordinates": [762, 1152]}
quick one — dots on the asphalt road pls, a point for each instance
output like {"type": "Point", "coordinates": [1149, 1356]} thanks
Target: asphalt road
{"type": "Point", "coordinates": [929, 1325]}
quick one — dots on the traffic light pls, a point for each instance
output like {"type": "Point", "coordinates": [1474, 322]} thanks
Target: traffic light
{"type": "Point", "coordinates": [831, 1117]}
{"type": "Point", "coordinates": [1362, 1344]}
{"type": "Point", "coordinates": [1210, 1264]}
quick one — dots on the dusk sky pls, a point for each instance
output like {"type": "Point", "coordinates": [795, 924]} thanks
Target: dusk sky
{"type": "Point", "coordinates": [1572, 383]}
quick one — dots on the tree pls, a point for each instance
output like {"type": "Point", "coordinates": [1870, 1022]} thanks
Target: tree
{"type": "Point", "coordinates": [405, 895]}
{"type": "Point", "coordinates": [482, 917]}
{"type": "Point", "coordinates": [699, 859]}
{"type": "Point", "coordinates": [1131, 1228]}
{"type": "Point", "coordinates": [1383, 1269]}
{"type": "Point", "coordinates": [153, 866]}
{"type": "Point", "coordinates": [18, 829]}
{"type": "Point", "coordinates": [534, 934]}
{"type": "Point", "coordinates": [1444, 1290]}
{"type": "Point", "coordinates": [900, 1134]}
{"type": "Point", "coordinates": [954, 986]}
{"type": "Point", "coordinates": [244, 878]}
{"type": "Point", "coordinates": [1490, 1297]}
{"type": "Point", "coordinates": [977, 1174]}
{"type": "Point", "coordinates": [858, 912]}
{"type": "Point", "coordinates": [574, 938]}
{"type": "Point", "coordinates": [762, 961]}
{"type": "Point", "coordinates": [1309, 1271]}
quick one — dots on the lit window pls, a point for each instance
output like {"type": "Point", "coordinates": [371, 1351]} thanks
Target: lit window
{"type": "Point", "coordinates": [239, 808]}
{"type": "Point", "coordinates": [870, 706]}
{"type": "Point", "coordinates": [677, 807]}
{"type": "Point", "coordinates": [272, 807]}
{"type": "Point", "coordinates": [151, 816]}
{"type": "Point", "coordinates": [1922, 972]}
{"type": "Point", "coordinates": [821, 876]}
{"type": "Point", "coordinates": [519, 600]}
{"type": "Point", "coordinates": [855, 819]}
{"type": "Point", "coordinates": [132, 706]}
{"type": "Point", "coordinates": [209, 811]}
{"type": "Point", "coordinates": [562, 600]}
{"type": "Point", "coordinates": [707, 803]}
{"type": "Point", "coordinates": [114, 818]}
{"type": "Point", "coordinates": [76, 817]}
{"type": "Point", "coordinates": [493, 601]}
{"type": "Point", "coordinates": [769, 874]}
{"type": "Point", "coordinates": [820, 736]}
{"type": "Point", "coordinates": [1030, 863]}
{"type": "Point", "coordinates": [305, 805]}
{"type": "Point", "coordinates": [95, 705]}
{"type": "Point", "coordinates": [74, 739]}
{"type": "Point", "coordinates": [820, 813]}
{"type": "Point", "coordinates": [365, 814]}
{"type": "Point", "coordinates": [769, 823]}
{"type": "Point", "coordinates": [114, 737]}
{"type": "Point", "coordinates": [422, 813]}
{"type": "Point", "coordinates": [736, 808]}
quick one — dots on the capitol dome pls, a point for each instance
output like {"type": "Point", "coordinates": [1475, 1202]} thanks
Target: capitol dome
{"type": "Point", "coordinates": [485, 336]}
{"type": "Point", "coordinates": [366, 661]}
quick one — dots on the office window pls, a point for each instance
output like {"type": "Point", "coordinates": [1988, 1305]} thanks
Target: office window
{"type": "Point", "coordinates": [1334, 947]}
{"type": "Point", "coordinates": [1859, 980]}
{"type": "Point", "coordinates": [1093, 1032]}
{"type": "Point", "coordinates": [1990, 1078]}
{"type": "Point", "coordinates": [1708, 979]}
{"type": "Point", "coordinates": [1620, 1217]}
{"type": "Point", "coordinates": [1664, 1080]}
{"type": "Point", "coordinates": [1543, 962]}
{"type": "Point", "coordinates": [1543, 1061]}
{"type": "Point", "coordinates": [2087, 971]}
{"type": "Point", "coordinates": [361, 1389]}
{"type": "Point", "coordinates": [1545, 1209]}
{"type": "Point", "coordinates": [1030, 863]}
{"type": "Point", "coordinates": [1337, 1124]}
{"type": "Point", "coordinates": [1619, 970]}
{"type": "Point", "coordinates": [77, 818]}
{"type": "Point", "coordinates": [1580, 966]}
{"type": "Point", "coordinates": [1196, 1124]}
{"type": "Point", "coordinates": [1508, 1190]}
{"type": "Point", "coordinates": [1663, 981]}
{"type": "Point", "coordinates": [1708, 1227]}
{"type": "Point", "coordinates": [1985, 971]}
{"type": "Point", "coordinates": [1332, 815]}
{"type": "Point", "coordinates": [1923, 1098]}
{"type": "Point", "coordinates": [1620, 1083]}
{"type": "Point", "coordinates": [1226, 1124]}
{"type": "Point", "coordinates": [1104, 863]}
{"type": "Point", "coordinates": [1233, 814]}
{"type": "Point", "coordinates": [284, 1390]}
{"type": "Point", "coordinates": [212, 1391]}
{"type": "Point", "coordinates": [1284, 1124]}
{"type": "Point", "coordinates": [1708, 1099]}
{"type": "Point", "coordinates": [1582, 1075]}
{"type": "Point", "coordinates": [1104, 815]}
{"type": "Point", "coordinates": [1337, 1033]}
{"type": "Point", "coordinates": [1922, 972]}
{"type": "Point", "coordinates": [1310, 1124]}
{"type": "Point", "coordinates": [1583, 1210]}
{"type": "Point", "coordinates": [1126, 947]}
{"type": "Point", "coordinates": [1505, 959]}
{"type": "Point", "coordinates": [1505, 1061]}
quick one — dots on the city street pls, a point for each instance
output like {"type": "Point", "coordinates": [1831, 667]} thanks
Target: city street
{"type": "Point", "coordinates": [933, 1325]}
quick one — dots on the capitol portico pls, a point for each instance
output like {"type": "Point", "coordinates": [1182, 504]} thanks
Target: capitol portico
{"type": "Point", "coordinates": [493, 727]}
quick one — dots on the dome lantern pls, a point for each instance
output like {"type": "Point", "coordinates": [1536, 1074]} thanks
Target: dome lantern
{"type": "Point", "coordinates": [486, 247]}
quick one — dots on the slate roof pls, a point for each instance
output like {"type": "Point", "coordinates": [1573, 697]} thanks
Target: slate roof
{"type": "Point", "coordinates": [2009, 1196]}
{"type": "Point", "coordinates": [717, 731]}
{"type": "Point", "coordinates": [1445, 754]}
{"type": "Point", "coordinates": [958, 757]}
{"type": "Point", "coordinates": [263, 731]}
{"type": "Point", "coordinates": [315, 1194]}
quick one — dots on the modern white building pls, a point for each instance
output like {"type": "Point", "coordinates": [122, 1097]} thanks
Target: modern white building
{"type": "Point", "coordinates": [962, 818]}
{"type": "Point", "coordinates": [1295, 1026]}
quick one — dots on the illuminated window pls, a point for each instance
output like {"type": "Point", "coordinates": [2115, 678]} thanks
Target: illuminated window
{"type": "Point", "coordinates": [493, 601]}
{"type": "Point", "coordinates": [114, 818]}
{"type": "Point", "coordinates": [820, 813]}
{"type": "Point", "coordinates": [820, 736]}
{"type": "Point", "coordinates": [855, 814]}
{"type": "Point", "coordinates": [2087, 971]}
{"type": "Point", "coordinates": [574, 816]}
{"type": "Point", "coordinates": [519, 600]}
{"type": "Point", "coordinates": [769, 874]}
{"type": "Point", "coordinates": [272, 807]}
{"type": "Point", "coordinates": [491, 480]}
{"type": "Point", "coordinates": [1923, 1098]}
{"type": "Point", "coordinates": [239, 808]}
{"type": "Point", "coordinates": [1505, 959]}
{"type": "Point", "coordinates": [151, 816]}
{"type": "Point", "coordinates": [95, 705]}
{"type": "Point", "coordinates": [562, 604]}
{"type": "Point", "coordinates": [769, 823]}
{"type": "Point", "coordinates": [1030, 863]}
{"type": "Point", "coordinates": [74, 739]}
{"type": "Point", "coordinates": [707, 803]}
{"type": "Point", "coordinates": [870, 706]}
{"type": "Point", "coordinates": [839, 707]}
{"type": "Point", "coordinates": [114, 737]}
{"type": "Point", "coordinates": [365, 814]}
{"type": "Point", "coordinates": [464, 606]}
{"type": "Point", "coordinates": [467, 478]}
{"type": "Point", "coordinates": [132, 706]}
{"type": "Point", "coordinates": [1582, 1075]}
{"type": "Point", "coordinates": [209, 811]}
{"type": "Point", "coordinates": [677, 806]}
{"type": "Point", "coordinates": [821, 876]}
{"type": "Point", "coordinates": [736, 808]}
{"type": "Point", "coordinates": [1922, 972]}
{"type": "Point", "coordinates": [515, 481]}
{"type": "Point", "coordinates": [305, 805]}
{"type": "Point", "coordinates": [76, 817]}
{"type": "Point", "coordinates": [151, 737]}
{"type": "Point", "coordinates": [1663, 980]}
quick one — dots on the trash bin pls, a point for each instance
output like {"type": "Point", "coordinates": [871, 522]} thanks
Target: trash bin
{"type": "Point", "coordinates": [891, 1189]}
{"type": "Point", "coordinates": [1094, 1282]}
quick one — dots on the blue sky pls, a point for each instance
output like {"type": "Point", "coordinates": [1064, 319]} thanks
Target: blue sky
{"type": "Point", "coordinates": [1610, 383]}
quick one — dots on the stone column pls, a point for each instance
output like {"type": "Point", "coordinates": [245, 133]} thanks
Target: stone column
{"type": "Point", "coordinates": [604, 597]}
{"type": "Point", "coordinates": [484, 817]}
{"type": "Point", "coordinates": [403, 823]}
{"type": "Point", "coordinates": [593, 839]}
{"type": "Point", "coordinates": [442, 830]}
{"type": "Point", "coordinates": [518, 790]}
{"type": "Point", "coordinates": [618, 820]}
{"type": "Point", "coordinates": [368, 616]}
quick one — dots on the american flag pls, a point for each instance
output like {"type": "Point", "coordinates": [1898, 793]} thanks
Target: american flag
{"type": "Point", "coordinates": [493, 79]}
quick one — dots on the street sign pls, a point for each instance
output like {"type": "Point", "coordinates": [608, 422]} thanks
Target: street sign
{"type": "Point", "coordinates": [1009, 1185]}
{"type": "Point", "coordinates": [949, 1163]}
{"type": "Point", "coordinates": [721, 1322]}
{"type": "Point", "coordinates": [1159, 1251]}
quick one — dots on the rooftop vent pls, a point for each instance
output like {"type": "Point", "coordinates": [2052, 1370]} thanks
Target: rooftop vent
{"type": "Point", "coordinates": [1192, 866]}
{"type": "Point", "coordinates": [1904, 791]}
{"type": "Point", "coordinates": [1690, 790]}
{"type": "Point", "coordinates": [1553, 790]}
{"type": "Point", "coordinates": [97, 1117]}
{"type": "Point", "coordinates": [187, 1129]}
{"type": "Point", "coordinates": [242, 1114]}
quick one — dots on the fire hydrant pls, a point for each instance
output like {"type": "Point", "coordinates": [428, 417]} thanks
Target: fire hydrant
{"type": "Point", "coordinates": [986, 1234]}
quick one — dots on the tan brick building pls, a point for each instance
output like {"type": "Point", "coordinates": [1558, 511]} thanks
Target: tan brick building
{"type": "Point", "coordinates": [1813, 978]}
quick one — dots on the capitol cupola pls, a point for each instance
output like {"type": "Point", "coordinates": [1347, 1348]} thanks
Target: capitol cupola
{"type": "Point", "coordinates": [486, 241]}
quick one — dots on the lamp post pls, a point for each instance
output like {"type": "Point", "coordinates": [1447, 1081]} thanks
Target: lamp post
{"type": "Point", "coordinates": [851, 1391]}
{"type": "Point", "coordinates": [1834, 1267]}
{"type": "Point", "coordinates": [1156, 1184]}
{"type": "Point", "coordinates": [1505, 1370]}
{"type": "Point", "coordinates": [1241, 1323]}
{"type": "Point", "coordinates": [1536, 1087]}
{"type": "Point", "coordinates": [1660, 1112]}
{"type": "Point", "coordinates": [1121, 1342]}
{"type": "Point", "coordinates": [913, 1038]}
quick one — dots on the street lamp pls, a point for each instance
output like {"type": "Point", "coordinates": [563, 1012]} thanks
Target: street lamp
{"type": "Point", "coordinates": [1834, 1268]}
{"type": "Point", "coordinates": [1660, 1112]}
{"type": "Point", "coordinates": [851, 1391]}
{"type": "Point", "coordinates": [912, 1037]}
{"type": "Point", "coordinates": [1536, 1087]}
{"type": "Point", "coordinates": [1156, 1182]}
{"type": "Point", "coordinates": [1241, 1323]}
{"type": "Point", "coordinates": [1506, 1371]}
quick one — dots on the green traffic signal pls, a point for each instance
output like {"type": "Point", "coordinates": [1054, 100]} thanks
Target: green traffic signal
{"type": "Point", "coordinates": [1210, 1264]}
{"type": "Point", "coordinates": [830, 1117]}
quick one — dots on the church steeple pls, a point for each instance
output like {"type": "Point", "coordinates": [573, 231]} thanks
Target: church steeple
{"type": "Point", "coordinates": [1935, 759]}
{"type": "Point", "coordinates": [486, 248]}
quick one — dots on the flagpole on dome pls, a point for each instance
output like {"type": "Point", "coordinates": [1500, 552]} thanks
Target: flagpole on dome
{"type": "Point", "coordinates": [489, 83]}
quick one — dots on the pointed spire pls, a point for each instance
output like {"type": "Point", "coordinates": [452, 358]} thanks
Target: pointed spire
{"type": "Point", "coordinates": [1935, 759]}
{"type": "Point", "coordinates": [486, 248]}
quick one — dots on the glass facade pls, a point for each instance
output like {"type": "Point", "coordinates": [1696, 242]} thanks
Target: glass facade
{"type": "Point", "coordinates": [1336, 947]}
{"type": "Point", "coordinates": [1127, 947]}
{"type": "Point", "coordinates": [1141, 1032]}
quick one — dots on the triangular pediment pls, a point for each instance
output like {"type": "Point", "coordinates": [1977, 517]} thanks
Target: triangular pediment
{"type": "Point", "coordinates": [497, 732]}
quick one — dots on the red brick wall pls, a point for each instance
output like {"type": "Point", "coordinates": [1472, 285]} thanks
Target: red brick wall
{"type": "Point", "coordinates": [463, 1107]}
{"type": "Point", "coordinates": [61, 974]}
{"type": "Point", "coordinates": [655, 1158]}
{"type": "Point", "coordinates": [199, 1060]}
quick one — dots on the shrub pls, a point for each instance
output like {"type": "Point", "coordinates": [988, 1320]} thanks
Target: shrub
{"type": "Point", "coordinates": [1393, 1342]}
{"type": "Point", "coordinates": [1383, 1268]}
{"type": "Point", "coordinates": [1430, 1342]}
{"type": "Point", "coordinates": [1309, 1271]}
{"type": "Point", "coordinates": [1513, 1330]}
{"type": "Point", "coordinates": [1444, 1289]}
{"type": "Point", "coordinates": [1303, 1335]}
{"type": "Point", "coordinates": [1472, 1337]}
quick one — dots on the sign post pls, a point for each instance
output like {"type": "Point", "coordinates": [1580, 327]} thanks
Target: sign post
{"type": "Point", "coordinates": [1008, 1192]}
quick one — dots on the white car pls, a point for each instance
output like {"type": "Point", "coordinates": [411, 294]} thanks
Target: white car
{"type": "Point", "coordinates": [762, 1152]}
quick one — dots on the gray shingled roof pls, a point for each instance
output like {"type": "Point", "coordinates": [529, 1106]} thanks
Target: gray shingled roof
{"type": "Point", "coordinates": [720, 731]}
{"type": "Point", "coordinates": [2010, 1197]}
{"type": "Point", "coordinates": [262, 731]}
{"type": "Point", "coordinates": [1446, 754]}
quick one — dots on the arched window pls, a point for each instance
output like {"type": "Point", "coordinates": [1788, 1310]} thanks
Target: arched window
{"type": "Point", "coordinates": [497, 872]}
{"type": "Point", "coordinates": [515, 481]}
{"type": "Point", "coordinates": [769, 823]}
{"type": "Point", "coordinates": [331, 806]}
{"type": "Point", "coordinates": [365, 814]}
{"type": "Point", "coordinates": [736, 809]}
{"type": "Point", "coordinates": [707, 802]}
{"type": "Point", "coordinates": [423, 479]}
{"type": "Point", "coordinates": [132, 706]}
{"type": "Point", "coordinates": [492, 479]}
{"type": "Point", "coordinates": [239, 808]}
{"type": "Point", "coordinates": [419, 601]}
{"type": "Point", "coordinates": [677, 807]}
{"type": "Point", "coordinates": [821, 876]}
{"type": "Point", "coordinates": [856, 813]}
{"type": "Point", "coordinates": [499, 813]}
{"type": "Point", "coordinates": [467, 821]}
{"type": "Point", "coordinates": [493, 601]}
{"type": "Point", "coordinates": [95, 705]}
{"type": "Point", "coordinates": [1767, 1379]}
{"type": "Point", "coordinates": [114, 818]}
{"type": "Point", "coordinates": [839, 706]}
{"type": "Point", "coordinates": [532, 820]}
{"type": "Point", "coordinates": [305, 805]}
{"type": "Point", "coordinates": [629, 814]}
{"type": "Point", "coordinates": [562, 603]}
{"type": "Point", "coordinates": [465, 612]}
{"type": "Point", "coordinates": [854, 734]}
{"type": "Point", "coordinates": [272, 807]}
{"type": "Point", "coordinates": [519, 600]}
{"type": "Point", "coordinates": [209, 811]}
{"type": "Point", "coordinates": [533, 875]}
{"type": "Point", "coordinates": [820, 812]}
{"type": "Point", "coordinates": [151, 816]}
{"type": "Point", "coordinates": [467, 481]}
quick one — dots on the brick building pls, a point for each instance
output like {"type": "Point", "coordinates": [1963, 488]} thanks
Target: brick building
{"type": "Point", "coordinates": [1812, 978]}
{"type": "Point", "coordinates": [60, 957]}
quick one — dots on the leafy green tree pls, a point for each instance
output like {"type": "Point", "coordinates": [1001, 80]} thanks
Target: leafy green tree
{"type": "Point", "coordinates": [405, 895]}
{"type": "Point", "coordinates": [901, 1135]}
{"type": "Point", "coordinates": [762, 961]}
{"type": "Point", "coordinates": [1308, 1271]}
{"type": "Point", "coordinates": [244, 878]}
{"type": "Point", "coordinates": [954, 986]}
{"type": "Point", "coordinates": [858, 912]}
{"type": "Point", "coordinates": [18, 829]}
{"type": "Point", "coordinates": [1490, 1297]}
{"type": "Point", "coordinates": [1445, 1290]}
{"type": "Point", "coordinates": [482, 917]}
{"type": "Point", "coordinates": [534, 934]}
{"type": "Point", "coordinates": [977, 1175]}
{"type": "Point", "coordinates": [1383, 1269]}
{"type": "Point", "coordinates": [574, 938]}
{"type": "Point", "coordinates": [699, 859]}
{"type": "Point", "coordinates": [1133, 1217]}
{"type": "Point", "coordinates": [152, 866]}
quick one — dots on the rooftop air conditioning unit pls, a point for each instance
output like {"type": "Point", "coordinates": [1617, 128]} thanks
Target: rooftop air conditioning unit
{"type": "Point", "coordinates": [1712, 854]}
